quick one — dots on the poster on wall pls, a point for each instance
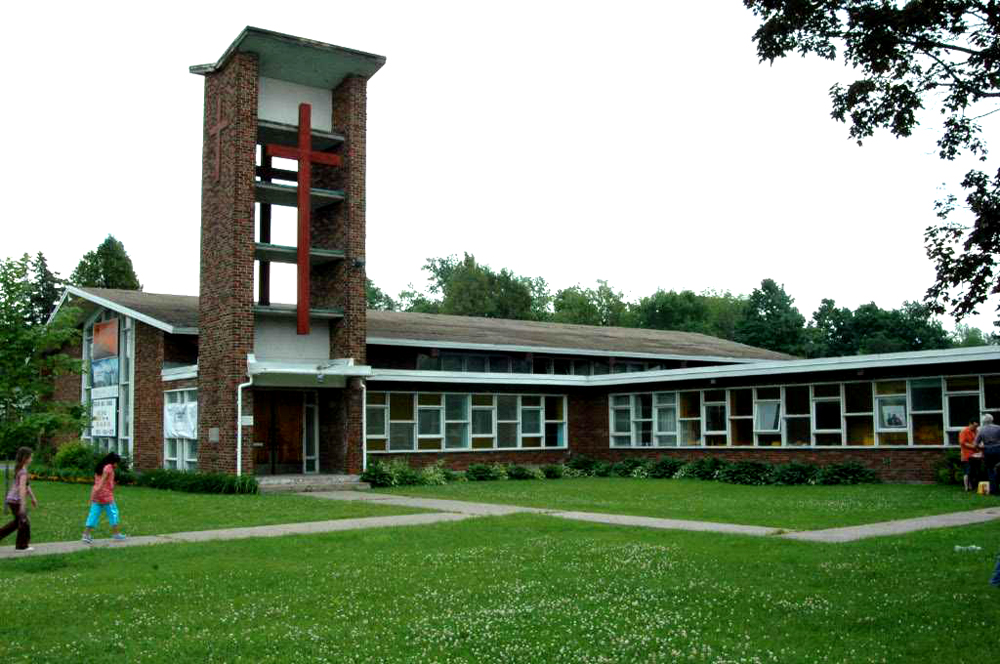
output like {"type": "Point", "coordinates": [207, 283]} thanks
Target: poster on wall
{"type": "Point", "coordinates": [180, 420]}
{"type": "Point", "coordinates": [104, 373]}
{"type": "Point", "coordinates": [105, 340]}
{"type": "Point", "coordinates": [104, 418]}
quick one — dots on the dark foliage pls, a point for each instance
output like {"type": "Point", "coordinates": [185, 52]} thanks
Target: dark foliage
{"type": "Point", "coordinates": [516, 472]}
{"type": "Point", "coordinates": [705, 468]}
{"type": "Point", "coordinates": [553, 471]}
{"type": "Point", "coordinates": [794, 473]}
{"type": "Point", "coordinates": [665, 467]}
{"type": "Point", "coordinates": [377, 474]}
{"type": "Point", "coordinates": [753, 473]}
{"type": "Point", "coordinates": [847, 473]}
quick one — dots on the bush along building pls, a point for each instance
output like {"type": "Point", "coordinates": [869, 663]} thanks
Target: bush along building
{"type": "Point", "coordinates": [230, 381]}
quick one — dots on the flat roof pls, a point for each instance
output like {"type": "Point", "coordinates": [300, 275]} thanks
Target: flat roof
{"type": "Point", "coordinates": [298, 60]}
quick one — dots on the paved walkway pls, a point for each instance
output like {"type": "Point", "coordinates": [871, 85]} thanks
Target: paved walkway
{"type": "Point", "coordinates": [457, 510]}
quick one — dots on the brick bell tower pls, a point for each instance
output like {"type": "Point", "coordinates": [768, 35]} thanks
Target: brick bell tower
{"type": "Point", "coordinates": [274, 96]}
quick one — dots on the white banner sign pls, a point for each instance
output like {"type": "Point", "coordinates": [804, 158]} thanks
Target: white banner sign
{"type": "Point", "coordinates": [104, 392]}
{"type": "Point", "coordinates": [180, 420]}
{"type": "Point", "coordinates": [104, 418]}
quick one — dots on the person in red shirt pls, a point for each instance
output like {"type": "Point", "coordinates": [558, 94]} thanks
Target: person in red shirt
{"type": "Point", "coordinates": [102, 499]}
{"type": "Point", "coordinates": [967, 441]}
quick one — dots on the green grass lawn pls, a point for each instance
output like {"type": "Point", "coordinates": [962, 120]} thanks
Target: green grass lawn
{"type": "Point", "coordinates": [63, 509]}
{"type": "Point", "coordinates": [792, 507]}
{"type": "Point", "coordinates": [522, 588]}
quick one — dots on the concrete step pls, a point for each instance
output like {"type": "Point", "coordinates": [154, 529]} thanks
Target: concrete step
{"type": "Point", "coordinates": [305, 483]}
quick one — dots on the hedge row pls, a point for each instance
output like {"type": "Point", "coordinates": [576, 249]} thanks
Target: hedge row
{"type": "Point", "coordinates": [399, 473]}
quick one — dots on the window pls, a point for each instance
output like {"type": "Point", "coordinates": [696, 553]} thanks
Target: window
{"type": "Point", "coordinates": [180, 429]}
{"type": "Point", "coordinates": [827, 424]}
{"type": "Point", "coordinates": [690, 418]}
{"type": "Point", "coordinates": [407, 422]}
{"type": "Point", "coordinates": [890, 403]}
{"type": "Point", "coordinates": [666, 418]}
{"type": "Point", "coordinates": [106, 389]}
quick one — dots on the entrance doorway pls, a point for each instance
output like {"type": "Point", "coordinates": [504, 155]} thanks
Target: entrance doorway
{"type": "Point", "coordinates": [286, 429]}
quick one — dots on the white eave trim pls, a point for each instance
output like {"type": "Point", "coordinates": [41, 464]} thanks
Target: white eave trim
{"type": "Point", "coordinates": [179, 373]}
{"type": "Point", "coordinates": [552, 350]}
{"type": "Point", "coordinates": [288, 368]}
{"type": "Point", "coordinates": [131, 313]}
{"type": "Point", "coordinates": [775, 368]}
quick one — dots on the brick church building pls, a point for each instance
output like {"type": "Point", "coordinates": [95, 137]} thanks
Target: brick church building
{"type": "Point", "coordinates": [231, 381]}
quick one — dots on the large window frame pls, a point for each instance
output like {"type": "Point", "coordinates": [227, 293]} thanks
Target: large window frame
{"type": "Point", "coordinates": [468, 422]}
{"type": "Point", "coordinates": [180, 453]}
{"type": "Point", "coordinates": [122, 442]}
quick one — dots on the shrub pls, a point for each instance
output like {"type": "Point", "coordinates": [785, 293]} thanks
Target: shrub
{"type": "Point", "coordinates": [481, 472]}
{"type": "Point", "coordinates": [665, 467]}
{"type": "Point", "coordinates": [705, 468]}
{"type": "Point", "coordinates": [847, 473]}
{"type": "Point", "coordinates": [77, 454]}
{"type": "Point", "coordinates": [403, 474]}
{"type": "Point", "coordinates": [377, 474]}
{"type": "Point", "coordinates": [433, 475]}
{"type": "Point", "coordinates": [625, 467]}
{"type": "Point", "coordinates": [553, 471]}
{"type": "Point", "coordinates": [794, 473]}
{"type": "Point", "coordinates": [602, 469]}
{"type": "Point", "coordinates": [516, 472]}
{"type": "Point", "coordinates": [582, 463]}
{"type": "Point", "coordinates": [949, 469]}
{"type": "Point", "coordinates": [197, 482]}
{"type": "Point", "coordinates": [454, 475]}
{"type": "Point", "coordinates": [753, 473]}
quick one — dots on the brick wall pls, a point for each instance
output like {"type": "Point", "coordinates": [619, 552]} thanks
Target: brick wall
{"type": "Point", "coordinates": [147, 421]}
{"type": "Point", "coordinates": [227, 262]}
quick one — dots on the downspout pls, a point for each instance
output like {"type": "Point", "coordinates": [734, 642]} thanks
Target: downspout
{"type": "Point", "coordinates": [239, 425]}
{"type": "Point", "coordinates": [364, 425]}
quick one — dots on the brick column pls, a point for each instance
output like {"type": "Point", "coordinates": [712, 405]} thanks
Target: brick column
{"type": "Point", "coordinates": [147, 421]}
{"type": "Point", "coordinates": [227, 234]}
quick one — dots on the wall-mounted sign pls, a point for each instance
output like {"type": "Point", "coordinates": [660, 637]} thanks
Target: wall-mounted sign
{"type": "Point", "coordinates": [180, 420]}
{"type": "Point", "coordinates": [104, 373]}
{"type": "Point", "coordinates": [105, 340]}
{"type": "Point", "coordinates": [104, 418]}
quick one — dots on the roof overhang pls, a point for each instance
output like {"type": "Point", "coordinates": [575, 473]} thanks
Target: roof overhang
{"type": "Point", "coordinates": [552, 350]}
{"type": "Point", "coordinates": [125, 311]}
{"type": "Point", "coordinates": [287, 373]}
{"type": "Point", "coordinates": [304, 61]}
{"type": "Point", "coordinates": [972, 356]}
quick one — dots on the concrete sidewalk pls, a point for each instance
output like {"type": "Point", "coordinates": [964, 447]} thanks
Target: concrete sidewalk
{"type": "Point", "coordinates": [306, 528]}
{"type": "Point", "coordinates": [887, 528]}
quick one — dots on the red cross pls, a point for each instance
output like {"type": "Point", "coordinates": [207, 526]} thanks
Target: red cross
{"type": "Point", "coordinates": [305, 156]}
{"type": "Point", "coordinates": [216, 131]}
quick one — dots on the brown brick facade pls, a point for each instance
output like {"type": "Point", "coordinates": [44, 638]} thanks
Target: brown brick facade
{"type": "Point", "coordinates": [227, 263]}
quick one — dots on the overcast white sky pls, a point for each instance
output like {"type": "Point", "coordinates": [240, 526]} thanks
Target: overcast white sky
{"type": "Point", "coordinates": [635, 142]}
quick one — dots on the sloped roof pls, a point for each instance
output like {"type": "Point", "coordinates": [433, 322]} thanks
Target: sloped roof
{"type": "Point", "coordinates": [465, 331]}
{"type": "Point", "coordinates": [178, 314]}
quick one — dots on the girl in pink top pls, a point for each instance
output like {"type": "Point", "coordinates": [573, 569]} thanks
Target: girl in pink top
{"type": "Point", "coordinates": [17, 501]}
{"type": "Point", "coordinates": [102, 499]}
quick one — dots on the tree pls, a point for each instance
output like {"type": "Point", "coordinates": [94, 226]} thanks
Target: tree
{"type": "Point", "coordinates": [966, 336]}
{"type": "Point", "coordinates": [924, 51]}
{"type": "Point", "coordinates": [771, 320]}
{"type": "Point", "coordinates": [669, 310]}
{"type": "Point", "coordinates": [592, 306]}
{"type": "Point", "coordinates": [870, 329]}
{"type": "Point", "coordinates": [45, 289]}
{"type": "Point", "coordinates": [377, 299]}
{"type": "Point", "coordinates": [108, 266]}
{"type": "Point", "coordinates": [30, 357]}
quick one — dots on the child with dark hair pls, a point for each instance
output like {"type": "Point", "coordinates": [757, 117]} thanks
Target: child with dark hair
{"type": "Point", "coordinates": [17, 502]}
{"type": "Point", "coordinates": [102, 499]}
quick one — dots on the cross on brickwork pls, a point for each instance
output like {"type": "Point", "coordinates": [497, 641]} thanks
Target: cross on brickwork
{"type": "Point", "coordinates": [216, 131]}
{"type": "Point", "coordinates": [306, 157]}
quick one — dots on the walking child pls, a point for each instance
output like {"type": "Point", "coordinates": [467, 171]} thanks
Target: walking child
{"type": "Point", "coordinates": [102, 499]}
{"type": "Point", "coordinates": [17, 502]}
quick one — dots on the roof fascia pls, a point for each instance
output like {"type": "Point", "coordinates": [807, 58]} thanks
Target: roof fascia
{"type": "Point", "coordinates": [411, 376]}
{"type": "Point", "coordinates": [132, 313]}
{"type": "Point", "coordinates": [386, 341]}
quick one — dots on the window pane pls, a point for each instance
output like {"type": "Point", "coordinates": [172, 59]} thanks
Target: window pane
{"type": "Point", "coordinates": [991, 392]}
{"type": "Point", "coordinates": [531, 421]}
{"type": "Point", "coordinates": [555, 434]}
{"type": "Point", "coordinates": [926, 394]}
{"type": "Point", "coordinates": [715, 395]}
{"type": "Point", "coordinates": [507, 434]}
{"type": "Point", "coordinates": [666, 419]}
{"type": "Point", "coordinates": [858, 397]}
{"type": "Point", "coordinates": [860, 430]}
{"type": "Point", "coordinates": [482, 422]}
{"type": "Point", "coordinates": [506, 407]}
{"type": "Point", "coordinates": [715, 417]}
{"type": "Point", "coordinates": [581, 368]}
{"type": "Point", "coordinates": [600, 368]}
{"type": "Point", "coordinates": [456, 407]}
{"type": "Point", "coordinates": [827, 390]}
{"type": "Point", "coordinates": [400, 406]}
{"type": "Point", "coordinates": [543, 365]}
{"type": "Point", "coordinates": [428, 363]}
{"type": "Point", "coordinates": [554, 409]}
{"type": "Point", "coordinates": [828, 415]}
{"type": "Point", "coordinates": [741, 402]}
{"type": "Point", "coordinates": [691, 433]}
{"type": "Point", "coordinates": [797, 400]}
{"type": "Point", "coordinates": [400, 436]}
{"type": "Point", "coordinates": [622, 421]}
{"type": "Point", "coordinates": [690, 404]}
{"type": "Point", "coordinates": [621, 441]}
{"type": "Point", "coordinates": [375, 419]}
{"type": "Point", "coordinates": [482, 400]}
{"type": "Point", "coordinates": [621, 400]}
{"type": "Point", "coordinates": [520, 365]}
{"type": "Point", "coordinates": [768, 393]}
{"type": "Point", "coordinates": [666, 398]}
{"type": "Point", "coordinates": [928, 429]}
{"type": "Point", "coordinates": [475, 363]}
{"type": "Point", "coordinates": [644, 433]}
{"type": "Point", "coordinates": [376, 397]}
{"type": "Point", "coordinates": [452, 362]}
{"type": "Point", "coordinates": [892, 412]}
{"type": "Point", "coordinates": [533, 400]}
{"type": "Point", "coordinates": [797, 431]}
{"type": "Point", "coordinates": [666, 441]}
{"type": "Point", "coordinates": [962, 410]}
{"type": "Point", "coordinates": [425, 399]}
{"type": "Point", "coordinates": [891, 387]}
{"type": "Point", "coordinates": [561, 367]}
{"type": "Point", "coordinates": [500, 365]}
{"type": "Point", "coordinates": [963, 384]}
{"type": "Point", "coordinates": [828, 439]}
{"type": "Point", "coordinates": [741, 432]}
{"type": "Point", "coordinates": [643, 404]}
{"type": "Point", "coordinates": [768, 416]}
{"type": "Point", "coordinates": [456, 435]}
{"type": "Point", "coordinates": [430, 421]}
